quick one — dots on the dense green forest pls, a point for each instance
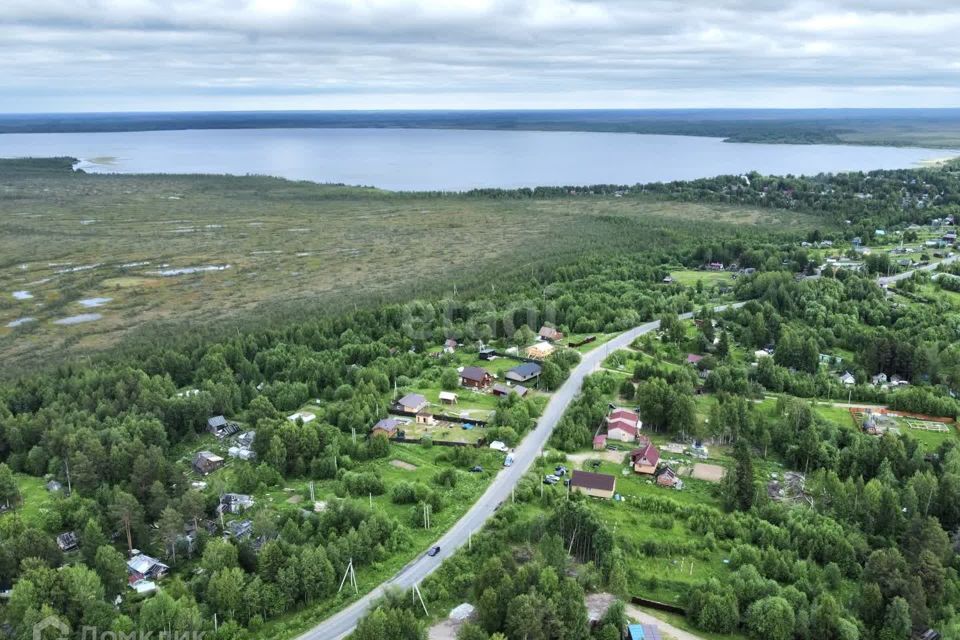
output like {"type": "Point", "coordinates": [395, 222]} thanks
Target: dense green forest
{"type": "Point", "coordinates": [871, 555]}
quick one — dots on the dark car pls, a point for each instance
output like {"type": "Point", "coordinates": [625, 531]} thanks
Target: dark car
{"type": "Point", "coordinates": [477, 469]}
{"type": "Point", "coordinates": [433, 551]}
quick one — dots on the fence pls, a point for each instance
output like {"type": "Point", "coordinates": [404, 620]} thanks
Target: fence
{"type": "Point", "coordinates": [659, 606]}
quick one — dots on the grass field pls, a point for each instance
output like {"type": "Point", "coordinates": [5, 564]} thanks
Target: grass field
{"type": "Point", "coordinates": [202, 249]}
{"type": "Point", "coordinates": [708, 278]}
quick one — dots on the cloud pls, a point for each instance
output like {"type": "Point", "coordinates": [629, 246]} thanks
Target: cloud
{"type": "Point", "coordinates": [66, 55]}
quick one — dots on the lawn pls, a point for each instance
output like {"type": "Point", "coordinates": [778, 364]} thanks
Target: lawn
{"type": "Point", "coordinates": [689, 278]}
{"type": "Point", "coordinates": [36, 501]}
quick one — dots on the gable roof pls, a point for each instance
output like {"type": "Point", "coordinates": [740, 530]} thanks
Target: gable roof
{"type": "Point", "coordinates": [216, 422]}
{"type": "Point", "coordinates": [622, 424]}
{"type": "Point", "coordinates": [590, 480]}
{"type": "Point", "coordinates": [526, 370]}
{"type": "Point", "coordinates": [648, 453]}
{"type": "Point", "coordinates": [412, 400]}
{"type": "Point", "coordinates": [549, 333]}
{"type": "Point", "coordinates": [693, 358]}
{"type": "Point", "coordinates": [387, 424]}
{"type": "Point", "coordinates": [518, 389]}
{"type": "Point", "coordinates": [476, 374]}
{"type": "Point", "coordinates": [623, 414]}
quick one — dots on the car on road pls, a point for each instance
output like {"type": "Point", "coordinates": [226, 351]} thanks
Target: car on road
{"type": "Point", "coordinates": [509, 461]}
{"type": "Point", "coordinates": [476, 469]}
{"type": "Point", "coordinates": [433, 551]}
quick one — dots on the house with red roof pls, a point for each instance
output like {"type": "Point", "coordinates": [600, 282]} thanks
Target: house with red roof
{"type": "Point", "coordinates": [645, 459]}
{"type": "Point", "coordinates": [599, 442]}
{"type": "Point", "coordinates": [623, 425]}
{"type": "Point", "coordinates": [693, 358]}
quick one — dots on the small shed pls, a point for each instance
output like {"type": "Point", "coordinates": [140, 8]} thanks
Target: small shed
{"type": "Point", "coordinates": [448, 397]}
{"type": "Point", "coordinates": [599, 442]}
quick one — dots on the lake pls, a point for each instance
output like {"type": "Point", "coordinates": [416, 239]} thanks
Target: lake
{"type": "Point", "coordinates": [450, 159]}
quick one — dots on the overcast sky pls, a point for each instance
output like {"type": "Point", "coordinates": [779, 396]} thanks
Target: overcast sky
{"type": "Point", "coordinates": [115, 55]}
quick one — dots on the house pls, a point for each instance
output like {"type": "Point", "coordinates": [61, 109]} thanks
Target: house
{"type": "Point", "coordinates": [68, 541]}
{"type": "Point", "coordinates": [880, 378]}
{"type": "Point", "coordinates": [549, 333]}
{"type": "Point", "coordinates": [501, 390]}
{"type": "Point", "coordinates": [761, 353]}
{"type": "Point", "coordinates": [623, 425]}
{"type": "Point", "coordinates": [143, 567]}
{"type": "Point", "coordinates": [693, 358]}
{"type": "Point", "coordinates": [879, 233]}
{"type": "Point", "coordinates": [475, 377]}
{"type": "Point", "coordinates": [540, 350]}
{"type": "Point", "coordinates": [624, 414]}
{"type": "Point", "coordinates": [302, 416]}
{"type": "Point", "coordinates": [848, 379]}
{"type": "Point", "coordinates": [667, 477]}
{"type": "Point", "coordinates": [235, 503]}
{"type": "Point", "coordinates": [448, 397]}
{"type": "Point", "coordinates": [622, 430]}
{"type": "Point", "coordinates": [450, 345]}
{"type": "Point", "coordinates": [425, 418]}
{"type": "Point", "coordinates": [206, 462]}
{"type": "Point", "coordinates": [412, 403]}
{"type": "Point", "coordinates": [523, 373]}
{"type": "Point", "coordinates": [595, 485]}
{"type": "Point", "coordinates": [239, 529]}
{"type": "Point", "coordinates": [599, 442]}
{"type": "Point", "coordinates": [387, 426]}
{"type": "Point", "coordinates": [218, 426]}
{"type": "Point", "coordinates": [487, 353]}
{"type": "Point", "coordinates": [645, 459]}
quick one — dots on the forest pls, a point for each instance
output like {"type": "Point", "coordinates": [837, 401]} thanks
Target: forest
{"type": "Point", "coordinates": [870, 553]}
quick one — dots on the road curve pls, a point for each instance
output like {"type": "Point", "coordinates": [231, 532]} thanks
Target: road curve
{"type": "Point", "coordinates": [342, 623]}
{"type": "Point", "coordinates": [907, 274]}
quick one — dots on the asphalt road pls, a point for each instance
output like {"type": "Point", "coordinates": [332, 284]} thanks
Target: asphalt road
{"type": "Point", "coordinates": [341, 624]}
{"type": "Point", "coordinates": [907, 274]}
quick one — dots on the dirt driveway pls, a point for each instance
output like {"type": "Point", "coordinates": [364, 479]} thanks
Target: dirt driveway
{"type": "Point", "coordinates": [615, 457]}
{"type": "Point", "coordinates": [666, 630]}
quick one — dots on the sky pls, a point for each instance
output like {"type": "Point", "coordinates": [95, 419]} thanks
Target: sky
{"type": "Point", "coordinates": [157, 55]}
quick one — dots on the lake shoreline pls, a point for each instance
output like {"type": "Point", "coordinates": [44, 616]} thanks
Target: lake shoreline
{"type": "Point", "coordinates": [454, 160]}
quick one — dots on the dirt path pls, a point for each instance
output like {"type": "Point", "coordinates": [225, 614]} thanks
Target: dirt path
{"type": "Point", "coordinates": [666, 629]}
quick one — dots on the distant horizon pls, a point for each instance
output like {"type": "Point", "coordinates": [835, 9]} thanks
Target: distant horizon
{"type": "Point", "coordinates": [675, 109]}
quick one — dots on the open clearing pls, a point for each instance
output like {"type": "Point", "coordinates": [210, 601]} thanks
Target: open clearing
{"type": "Point", "coordinates": [198, 250]}
{"type": "Point", "coordinates": [708, 472]}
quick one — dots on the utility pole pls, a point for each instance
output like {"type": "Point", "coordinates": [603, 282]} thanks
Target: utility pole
{"type": "Point", "coordinates": [415, 595]}
{"type": "Point", "coordinates": [66, 462]}
{"type": "Point", "coordinates": [353, 578]}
